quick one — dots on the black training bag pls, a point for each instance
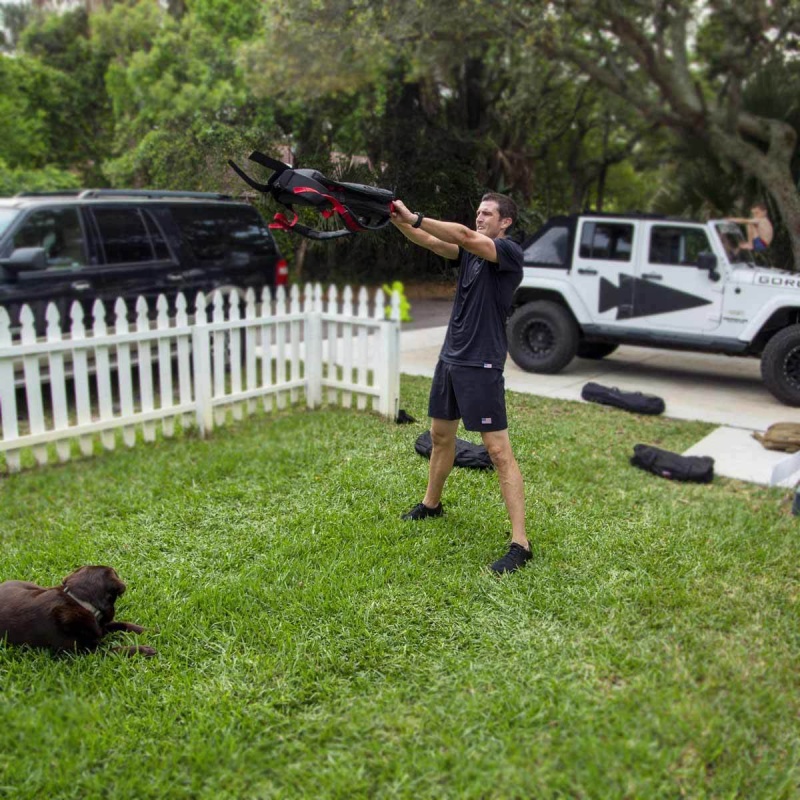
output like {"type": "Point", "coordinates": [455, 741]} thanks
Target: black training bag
{"type": "Point", "coordinates": [697, 469]}
{"type": "Point", "coordinates": [470, 455]}
{"type": "Point", "coordinates": [628, 401]}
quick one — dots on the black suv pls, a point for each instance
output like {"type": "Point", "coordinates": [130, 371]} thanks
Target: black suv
{"type": "Point", "coordinates": [100, 243]}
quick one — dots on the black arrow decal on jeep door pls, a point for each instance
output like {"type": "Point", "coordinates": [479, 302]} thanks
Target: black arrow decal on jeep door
{"type": "Point", "coordinates": [641, 298]}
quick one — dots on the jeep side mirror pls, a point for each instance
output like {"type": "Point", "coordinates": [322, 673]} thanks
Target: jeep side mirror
{"type": "Point", "coordinates": [24, 259]}
{"type": "Point", "coordinates": [708, 262]}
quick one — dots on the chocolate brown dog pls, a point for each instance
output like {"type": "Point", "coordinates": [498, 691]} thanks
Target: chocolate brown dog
{"type": "Point", "coordinates": [72, 617]}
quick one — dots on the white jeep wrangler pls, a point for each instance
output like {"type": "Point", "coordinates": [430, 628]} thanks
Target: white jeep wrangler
{"type": "Point", "coordinates": [594, 281]}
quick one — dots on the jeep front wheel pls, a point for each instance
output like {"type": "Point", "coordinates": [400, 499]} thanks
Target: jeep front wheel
{"type": "Point", "coordinates": [595, 350]}
{"type": "Point", "coordinates": [780, 365]}
{"type": "Point", "coordinates": [542, 337]}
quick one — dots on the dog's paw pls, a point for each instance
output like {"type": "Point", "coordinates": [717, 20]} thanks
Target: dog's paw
{"type": "Point", "coordinates": [127, 627]}
{"type": "Point", "coordinates": [135, 650]}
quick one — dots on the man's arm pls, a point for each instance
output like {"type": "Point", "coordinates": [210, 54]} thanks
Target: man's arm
{"type": "Point", "coordinates": [450, 233]}
{"type": "Point", "coordinates": [445, 249]}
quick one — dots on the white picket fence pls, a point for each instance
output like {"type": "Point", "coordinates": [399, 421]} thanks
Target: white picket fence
{"type": "Point", "coordinates": [333, 349]}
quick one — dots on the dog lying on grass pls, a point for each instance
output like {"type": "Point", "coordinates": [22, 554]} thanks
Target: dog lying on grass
{"type": "Point", "coordinates": [73, 617]}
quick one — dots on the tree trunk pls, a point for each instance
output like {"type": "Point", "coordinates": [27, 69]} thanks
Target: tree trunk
{"type": "Point", "coordinates": [601, 187]}
{"type": "Point", "coordinates": [774, 173]}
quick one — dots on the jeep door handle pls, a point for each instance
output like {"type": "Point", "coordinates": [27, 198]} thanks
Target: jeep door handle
{"type": "Point", "coordinates": [587, 272]}
{"type": "Point", "coordinates": [81, 286]}
{"type": "Point", "coordinates": [652, 276]}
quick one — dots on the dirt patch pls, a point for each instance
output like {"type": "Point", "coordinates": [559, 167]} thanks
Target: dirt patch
{"type": "Point", "coordinates": [433, 290]}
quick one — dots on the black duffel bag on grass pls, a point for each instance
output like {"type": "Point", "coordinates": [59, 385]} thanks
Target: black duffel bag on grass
{"type": "Point", "coordinates": [697, 469]}
{"type": "Point", "coordinates": [628, 401]}
{"type": "Point", "coordinates": [471, 455]}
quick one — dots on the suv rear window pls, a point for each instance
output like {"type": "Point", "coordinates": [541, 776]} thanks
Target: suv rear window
{"type": "Point", "coordinates": [127, 237]}
{"type": "Point", "coordinates": [231, 236]}
{"type": "Point", "coordinates": [550, 249]}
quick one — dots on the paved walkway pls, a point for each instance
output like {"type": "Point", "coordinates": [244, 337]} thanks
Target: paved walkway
{"type": "Point", "coordinates": [718, 389]}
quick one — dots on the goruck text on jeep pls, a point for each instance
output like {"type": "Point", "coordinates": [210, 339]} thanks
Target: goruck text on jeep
{"type": "Point", "coordinates": [104, 244]}
{"type": "Point", "coordinates": [594, 281]}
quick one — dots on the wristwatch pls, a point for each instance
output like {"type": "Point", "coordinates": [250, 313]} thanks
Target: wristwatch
{"type": "Point", "coordinates": [419, 219]}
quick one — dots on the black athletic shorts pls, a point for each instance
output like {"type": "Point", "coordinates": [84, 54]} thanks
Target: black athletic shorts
{"type": "Point", "coordinates": [473, 394]}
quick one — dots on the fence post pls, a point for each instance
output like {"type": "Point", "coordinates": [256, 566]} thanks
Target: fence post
{"type": "Point", "coordinates": [8, 394]}
{"type": "Point", "coordinates": [102, 360]}
{"type": "Point", "coordinates": [80, 375]}
{"type": "Point", "coordinates": [58, 382]}
{"type": "Point", "coordinates": [392, 356]}
{"type": "Point", "coordinates": [33, 382]}
{"type": "Point", "coordinates": [380, 369]}
{"type": "Point", "coordinates": [313, 338]}
{"type": "Point", "coordinates": [201, 359]}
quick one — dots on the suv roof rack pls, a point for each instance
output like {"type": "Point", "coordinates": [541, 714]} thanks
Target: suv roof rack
{"type": "Point", "coordinates": [57, 193]}
{"type": "Point", "coordinates": [154, 194]}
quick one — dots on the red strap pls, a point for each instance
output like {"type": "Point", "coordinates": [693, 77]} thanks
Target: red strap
{"type": "Point", "coordinates": [349, 222]}
{"type": "Point", "coordinates": [280, 223]}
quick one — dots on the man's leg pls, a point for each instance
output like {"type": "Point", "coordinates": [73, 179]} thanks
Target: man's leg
{"type": "Point", "coordinates": [498, 446]}
{"type": "Point", "coordinates": [443, 454]}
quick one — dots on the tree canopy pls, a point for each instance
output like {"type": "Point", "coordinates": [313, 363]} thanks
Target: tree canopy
{"type": "Point", "coordinates": [683, 106]}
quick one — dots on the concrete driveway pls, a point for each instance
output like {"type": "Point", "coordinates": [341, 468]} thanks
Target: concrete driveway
{"type": "Point", "coordinates": [724, 390]}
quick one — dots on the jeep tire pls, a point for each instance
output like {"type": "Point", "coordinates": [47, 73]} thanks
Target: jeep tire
{"type": "Point", "coordinates": [542, 337]}
{"type": "Point", "coordinates": [780, 365]}
{"type": "Point", "coordinates": [595, 350]}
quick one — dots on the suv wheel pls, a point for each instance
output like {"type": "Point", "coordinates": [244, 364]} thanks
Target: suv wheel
{"type": "Point", "coordinates": [595, 350]}
{"type": "Point", "coordinates": [542, 337]}
{"type": "Point", "coordinates": [780, 365]}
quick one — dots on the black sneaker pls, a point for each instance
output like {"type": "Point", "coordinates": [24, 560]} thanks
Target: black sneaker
{"type": "Point", "coordinates": [516, 557]}
{"type": "Point", "coordinates": [421, 511]}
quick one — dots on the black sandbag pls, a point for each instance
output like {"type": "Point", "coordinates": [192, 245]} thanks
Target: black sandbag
{"type": "Point", "coordinates": [474, 456]}
{"type": "Point", "coordinates": [695, 469]}
{"type": "Point", "coordinates": [628, 401]}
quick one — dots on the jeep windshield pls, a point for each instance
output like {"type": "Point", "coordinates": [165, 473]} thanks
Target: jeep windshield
{"type": "Point", "coordinates": [7, 215]}
{"type": "Point", "coordinates": [732, 239]}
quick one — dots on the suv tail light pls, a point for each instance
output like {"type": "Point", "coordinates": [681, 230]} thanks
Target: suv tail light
{"type": "Point", "coordinates": [281, 272]}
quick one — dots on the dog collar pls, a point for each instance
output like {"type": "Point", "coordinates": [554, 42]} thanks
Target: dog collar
{"type": "Point", "coordinates": [88, 606]}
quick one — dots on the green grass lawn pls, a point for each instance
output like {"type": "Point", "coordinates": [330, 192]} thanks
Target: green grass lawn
{"type": "Point", "coordinates": [312, 645]}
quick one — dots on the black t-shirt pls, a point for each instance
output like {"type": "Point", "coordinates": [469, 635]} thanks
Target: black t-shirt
{"type": "Point", "coordinates": [476, 335]}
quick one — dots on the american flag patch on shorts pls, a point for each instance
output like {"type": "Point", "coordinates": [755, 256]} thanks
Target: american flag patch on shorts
{"type": "Point", "coordinates": [486, 420]}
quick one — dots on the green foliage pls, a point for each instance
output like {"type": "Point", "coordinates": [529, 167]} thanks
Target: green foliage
{"type": "Point", "coordinates": [44, 122]}
{"type": "Point", "coordinates": [442, 101]}
{"type": "Point", "coordinates": [79, 121]}
{"type": "Point", "coordinates": [46, 179]}
{"type": "Point", "coordinates": [311, 644]}
{"type": "Point", "coordinates": [181, 107]}
{"type": "Point", "coordinates": [14, 17]}
{"type": "Point", "coordinates": [230, 19]}
{"type": "Point", "coordinates": [28, 90]}
{"type": "Point", "coordinates": [405, 305]}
